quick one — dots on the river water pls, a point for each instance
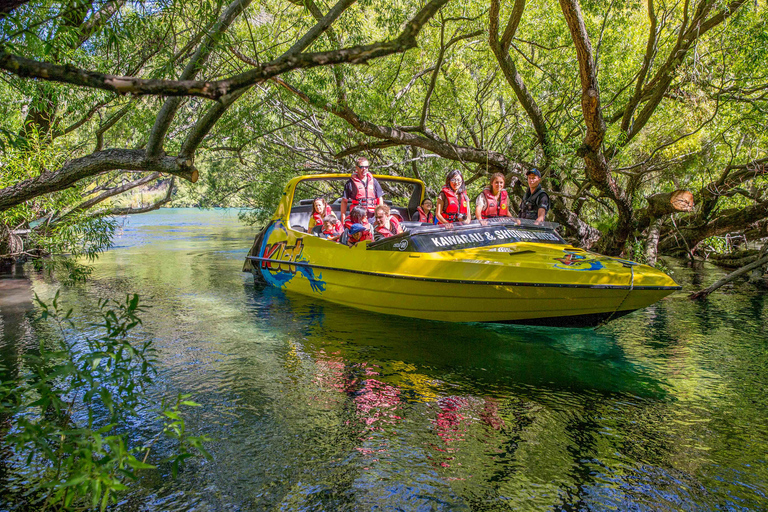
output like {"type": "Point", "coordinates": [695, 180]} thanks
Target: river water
{"type": "Point", "coordinates": [314, 406]}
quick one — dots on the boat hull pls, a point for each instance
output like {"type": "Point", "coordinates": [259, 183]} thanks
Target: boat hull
{"type": "Point", "coordinates": [510, 283]}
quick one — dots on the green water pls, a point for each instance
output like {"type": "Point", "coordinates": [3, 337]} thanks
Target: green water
{"type": "Point", "coordinates": [313, 406]}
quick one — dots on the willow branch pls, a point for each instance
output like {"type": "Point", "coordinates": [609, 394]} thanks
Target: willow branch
{"type": "Point", "coordinates": [92, 165]}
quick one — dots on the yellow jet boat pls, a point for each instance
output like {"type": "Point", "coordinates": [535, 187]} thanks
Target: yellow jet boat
{"type": "Point", "coordinates": [498, 271]}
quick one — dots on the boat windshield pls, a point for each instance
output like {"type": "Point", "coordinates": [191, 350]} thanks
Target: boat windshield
{"type": "Point", "coordinates": [405, 195]}
{"type": "Point", "coordinates": [425, 238]}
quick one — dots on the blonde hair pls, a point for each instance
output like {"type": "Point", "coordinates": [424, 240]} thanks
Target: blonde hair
{"type": "Point", "coordinates": [383, 207]}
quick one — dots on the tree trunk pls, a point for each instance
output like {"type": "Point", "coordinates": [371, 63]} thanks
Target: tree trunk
{"type": "Point", "coordinates": [759, 264]}
{"type": "Point", "coordinates": [652, 242]}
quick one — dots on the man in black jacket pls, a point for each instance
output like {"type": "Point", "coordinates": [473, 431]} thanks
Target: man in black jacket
{"type": "Point", "coordinates": [535, 201]}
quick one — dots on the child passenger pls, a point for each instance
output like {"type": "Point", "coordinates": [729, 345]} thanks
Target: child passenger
{"type": "Point", "coordinates": [331, 228]}
{"type": "Point", "coordinates": [359, 229]}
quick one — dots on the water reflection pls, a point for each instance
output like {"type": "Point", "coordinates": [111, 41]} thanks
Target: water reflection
{"type": "Point", "coordinates": [488, 408]}
{"type": "Point", "coordinates": [315, 406]}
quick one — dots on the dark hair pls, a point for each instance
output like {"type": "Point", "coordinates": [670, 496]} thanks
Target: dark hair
{"type": "Point", "coordinates": [425, 200]}
{"type": "Point", "coordinates": [358, 213]}
{"type": "Point", "coordinates": [450, 176]}
{"type": "Point", "coordinates": [324, 202]}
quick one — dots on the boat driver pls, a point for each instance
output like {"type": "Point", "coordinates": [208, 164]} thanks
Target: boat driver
{"type": "Point", "coordinates": [362, 189]}
{"type": "Point", "coordinates": [535, 202]}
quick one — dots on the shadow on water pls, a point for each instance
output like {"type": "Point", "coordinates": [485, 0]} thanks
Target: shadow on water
{"type": "Point", "coordinates": [16, 332]}
{"type": "Point", "coordinates": [488, 359]}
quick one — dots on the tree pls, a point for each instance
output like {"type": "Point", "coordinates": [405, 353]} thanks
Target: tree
{"type": "Point", "coordinates": [620, 105]}
{"type": "Point", "coordinates": [120, 42]}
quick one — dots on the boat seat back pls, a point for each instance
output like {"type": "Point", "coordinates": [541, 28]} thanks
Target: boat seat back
{"type": "Point", "coordinates": [301, 214]}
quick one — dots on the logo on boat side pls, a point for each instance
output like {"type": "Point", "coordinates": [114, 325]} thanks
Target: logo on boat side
{"type": "Point", "coordinates": [576, 261]}
{"type": "Point", "coordinates": [285, 253]}
{"type": "Point", "coordinates": [401, 245]}
{"type": "Point", "coordinates": [281, 268]}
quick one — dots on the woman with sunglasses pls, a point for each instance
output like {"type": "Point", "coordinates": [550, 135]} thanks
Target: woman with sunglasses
{"type": "Point", "coordinates": [452, 202]}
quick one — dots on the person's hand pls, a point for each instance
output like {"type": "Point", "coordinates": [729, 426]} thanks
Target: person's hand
{"type": "Point", "coordinates": [448, 226]}
{"type": "Point", "coordinates": [483, 222]}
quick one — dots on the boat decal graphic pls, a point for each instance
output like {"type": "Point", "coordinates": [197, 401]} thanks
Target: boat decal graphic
{"type": "Point", "coordinates": [575, 261]}
{"type": "Point", "coordinates": [278, 270]}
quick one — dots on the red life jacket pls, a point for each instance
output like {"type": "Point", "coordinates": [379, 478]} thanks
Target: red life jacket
{"type": "Point", "coordinates": [365, 195]}
{"type": "Point", "coordinates": [394, 228]}
{"type": "Point", "coordinates": [359, 237]}
{"type": "Point", "coordinates": [424, 217]}
{"type": "Point", "coordinates": [319, 218]}
{"type": "Point", "coordinates": [492, 208]}
{"type": "Point", "coordinates": [348, 222]}
{"type": "Point", "coordinates": [454, 205]}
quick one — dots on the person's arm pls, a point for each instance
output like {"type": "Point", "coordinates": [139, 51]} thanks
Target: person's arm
{"type": "Point", "coordinates": [479, 206]}
{"type": "Point", "coordinates": [439, 210]}
{"type": "Point", "coordinates": [343, 209]}
{"type": "Point", "coordinates": [543, 207]}
{"type": "Point", "coordinates": [469, 211]}
{"type": "Point", "coordinates": [311, 224]}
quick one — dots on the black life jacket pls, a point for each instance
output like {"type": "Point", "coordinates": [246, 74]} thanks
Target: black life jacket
{"type": "Point", "coordinates": [528, 208]}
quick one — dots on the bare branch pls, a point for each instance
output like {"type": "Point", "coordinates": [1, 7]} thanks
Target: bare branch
{"type": "Point", "coordinates": [94, 164]}
{"type": "Point", "coordinates": [171, 105]}
{"type": "Point", "coordinates": [109, 193]}
{"type": "Point", "coordinates": [214, 90]}
{"type": "Point", "coordinates": [144, 209]}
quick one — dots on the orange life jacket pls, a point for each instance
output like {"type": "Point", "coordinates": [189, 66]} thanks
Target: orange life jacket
{"type": "Point", "coordinates": [365, 195]}
{"type": "Point", "coordinates": [319, 218]}
{"type": "Point", "coordinates": [394, 228]}
{"type": "Point", "coordinates": [359, 237]}
{"type": "Point", "coordinates": [454, 205]}
{"type": "Point", "coordinates": [425, 217]}
{"type": "Point", "coordinates": [494, 208]}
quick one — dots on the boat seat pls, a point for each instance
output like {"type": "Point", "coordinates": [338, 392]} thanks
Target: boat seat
{"type": "Point", "coordinates": [299, 228]}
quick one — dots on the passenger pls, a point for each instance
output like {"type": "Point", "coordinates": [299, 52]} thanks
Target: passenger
{"type": "Point", "coordinates": [386, 225]}
{"type": "Point", "coordinates": [424, 212]}
{"type": "Point", "coordinates": [452, 202]}
{"type": "Point", "coordinates": [331, 228]}
{"type": "Point", "coordinates": [361, 189]}
{"type": "Point", "coordinates": [319, 210]}
{"type": "Point", "coordinates": [535, 203]}
{"type": "Point", "coordinates": [493, 201]}
{"type": "Point", "coordinates": [359, 229]}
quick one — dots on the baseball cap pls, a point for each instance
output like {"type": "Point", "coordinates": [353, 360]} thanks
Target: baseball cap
{"type": "Point", "coordinates": [533, 170]}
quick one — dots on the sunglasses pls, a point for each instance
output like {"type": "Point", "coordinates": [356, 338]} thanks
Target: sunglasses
{"type": "Point", "coordinates": [362, 166]}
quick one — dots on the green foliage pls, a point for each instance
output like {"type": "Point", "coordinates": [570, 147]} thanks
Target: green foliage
{"type": "Point", "coordinates": [68, 412]}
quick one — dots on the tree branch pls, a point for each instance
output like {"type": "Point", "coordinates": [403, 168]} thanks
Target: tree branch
{"type": "Point", "coordinates": [94, 164]}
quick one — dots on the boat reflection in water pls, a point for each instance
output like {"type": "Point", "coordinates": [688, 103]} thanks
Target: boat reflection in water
{"type": "Point", "coordinates": [500, 409]}
{"type": "Point", "coordinates": [507, 271]}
